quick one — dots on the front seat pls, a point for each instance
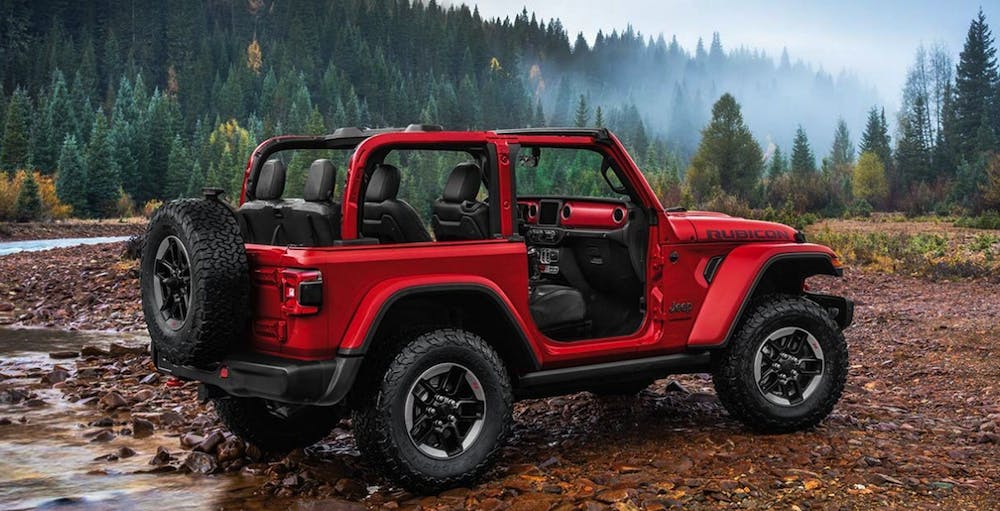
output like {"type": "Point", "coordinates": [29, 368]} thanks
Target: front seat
{"type": "Point", "coordinates": [387, 218]}
{"type": "Point", "coordinates": [457, 214]}
{"type": "Point", "coordinates": [264, 215]}
{"type": "Point", "coordinates": [553, 306]}
{"type": "Point", "coordinates": [315, 221]}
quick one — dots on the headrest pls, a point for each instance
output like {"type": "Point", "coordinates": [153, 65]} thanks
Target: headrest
{"type": "Point", "coordinates": [270, 181]}
{"type": "Point", "coordinates": [463, 183]}
{"type": "Point", "coordinates": [383, 185]}
{"type": "Point", "coordinates": [320, 181]}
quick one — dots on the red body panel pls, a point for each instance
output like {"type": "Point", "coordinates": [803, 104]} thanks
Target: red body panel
{"type": "Point", "coordinates": [735, 278]}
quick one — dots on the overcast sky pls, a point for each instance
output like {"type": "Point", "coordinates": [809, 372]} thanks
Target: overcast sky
{"type": "Point", "coordinates": [875, 40]}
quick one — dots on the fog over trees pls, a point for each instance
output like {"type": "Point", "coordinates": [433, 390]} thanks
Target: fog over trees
{"type": "Point", "coordinates": [152, 100]}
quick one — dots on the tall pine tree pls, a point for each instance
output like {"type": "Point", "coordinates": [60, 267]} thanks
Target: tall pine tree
{"type": "Point", "coordinates": [15, 146]}
{"type": "Point", "coordinates": [102, 169]}
{"type": "Point", "coordinates": [975, 88]}
{"type": "Point", "coordinates": [71, 178]}
{"type": "Point", "coordinates": [803, 162]}
{"type": "Point", "coordinates": [728, 156]}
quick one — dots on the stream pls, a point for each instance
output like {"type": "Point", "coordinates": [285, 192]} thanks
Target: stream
{"type": "Point", "coordinates": [11, 247]}
{"type": "Point", "coordinates": [47, 462]}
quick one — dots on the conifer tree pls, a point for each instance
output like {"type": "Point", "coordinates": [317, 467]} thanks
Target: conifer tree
{"type": "Point", "coordinates": [582, 112]}
{"type": "Point", "coordinates": [875, 138]}
{"type": "Point", "coordinates": [728, 156]}
{"type": "Point", "coordinates": [803, 162]}
{"type": "Point", "coordinates": [842, 152]}
{"type": "Point", "coordinates": [71, 178]}
{"type": "Point", "coordinates": [15, 146]}
{"type": "Point", "coordinates": [975, 87]}
{"type": "Point", "coordinates": [29, 205]}
{"type": "Point", "coordinates": [779, 164]}
{"type": "Point", "coordinates": [102, 170]}
{"type": "Point", "coordinates": [178, 169]}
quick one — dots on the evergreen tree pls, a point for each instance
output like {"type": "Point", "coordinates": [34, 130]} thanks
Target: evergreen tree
{"type": "Point", "coordinates": [102, 170]}
{"type": "Point", "coordinates": [599, 118]}
{"type": "Point", "coordinates": [779, 164]}
{"type": "Point", "coordinates": [803, 162]}
{"type": "Point", "coordinates": [15, 146]}
{"type": "Point", "coordinates": [975, 88]}
{"type": "Point", "coordinates": [29, 204]}
{"type": "Point", "coordinates": [582, 112]}
{"type": "Point", "coordinates": [842, 152]}
{"type": "Point", "coordinates": [875, 138]}
{"type": "Point", "coordinates": [913, 157]}
{"type": "Point", "coordinates": [178, 169]}
{"type": "Point", "coordinates": [728, 155]}
{"type": "Point", "coordinates": [71, 178]}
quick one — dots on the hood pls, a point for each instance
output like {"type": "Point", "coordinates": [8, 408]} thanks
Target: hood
{"type": "Point", "coordinates": [704, 226]}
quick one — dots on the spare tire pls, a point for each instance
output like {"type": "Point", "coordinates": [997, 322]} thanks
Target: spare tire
{"type": "Point", "coordinates": [195, 282]}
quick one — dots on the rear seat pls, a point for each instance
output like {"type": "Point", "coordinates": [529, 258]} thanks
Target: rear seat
{"type": "Point", "coordinates": [314, 221]}
{"type": "Point", "coordinates": [264, 215]}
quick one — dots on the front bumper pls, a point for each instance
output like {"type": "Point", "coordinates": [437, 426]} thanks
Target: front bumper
{"type": "Point", "coordinates": [318, 383]}
{"type": "Point", "coordinates": [841, 309]}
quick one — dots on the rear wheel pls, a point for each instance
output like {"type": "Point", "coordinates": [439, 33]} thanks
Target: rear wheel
{"type": "Point", "coordinates": [785, 368]}
{"type": "Point", "coordinates": [438, 411]}
{"type": "Point", "coordinates": [275, 427]}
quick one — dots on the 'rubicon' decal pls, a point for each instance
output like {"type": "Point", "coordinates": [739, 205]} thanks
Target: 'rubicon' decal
{"type": "Point", "coordinates": [747, 234]}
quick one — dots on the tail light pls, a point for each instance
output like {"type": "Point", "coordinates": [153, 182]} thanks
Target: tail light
{"type": "Point", "coordinates": [301, 291]}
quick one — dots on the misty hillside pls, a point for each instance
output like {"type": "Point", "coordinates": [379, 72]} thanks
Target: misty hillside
{"type": "Point", "coordinates": [387, 62]}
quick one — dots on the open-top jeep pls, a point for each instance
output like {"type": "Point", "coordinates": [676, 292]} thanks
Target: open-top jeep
{"type": "Point", "coordinates": [454, 272]}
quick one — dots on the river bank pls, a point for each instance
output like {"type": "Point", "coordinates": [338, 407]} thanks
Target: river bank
{"type": "Point", "coordinates": [13, 231]}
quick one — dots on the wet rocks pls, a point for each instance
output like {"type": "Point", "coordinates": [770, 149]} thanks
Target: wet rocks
{"type": "Point", "coordinates": [142, 428]}
{"type": "Point", "coordinates": [210, 442]}
{"type": "Point", "coordinates": [230, 450]}
{"type": "Point", "coordinates": [62, 355]}
{"type": "Point", "coordinates": [13, 396]}
{"type": "Point", "coordinates": [162, 457]}
{"type": "Point", "coordinates": [104, 435]}
{"type": "Point", "coordinates": [4, 421]}
{"type": "Point", "coordinates": [56, 375]}
{"type": "Point", "coordinates": [201, 463]}
{"type": "Point", "coordinates": [94, 351]}
{"type": "Point", "coordinates": [112, 401]}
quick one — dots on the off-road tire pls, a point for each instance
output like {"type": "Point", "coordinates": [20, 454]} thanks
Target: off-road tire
{"type": "Point", "coordinates": [217, 315]}
{"type": "Point", "coordinates": [378, 418]}
{"type": "Point", "coordinates": [733, 373]}
{"type": "Point", "coordinates": [254, 422]}
{"type": "Point", "coordinates": [624, 388]}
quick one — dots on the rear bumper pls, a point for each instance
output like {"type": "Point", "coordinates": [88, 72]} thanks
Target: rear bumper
{"type": "Point", "coordinates": [320, 383]}
{"type": "Point", "coordinates": [841, 309]}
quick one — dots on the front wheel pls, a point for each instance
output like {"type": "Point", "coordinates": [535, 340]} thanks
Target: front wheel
{"type": "Point", "coordinates": [439, 412]}
{"type": "Point", "coordinates": [785, 368]}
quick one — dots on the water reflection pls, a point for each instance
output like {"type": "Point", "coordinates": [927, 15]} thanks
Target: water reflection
{"type": "Point", "coordinates": [46, 461]}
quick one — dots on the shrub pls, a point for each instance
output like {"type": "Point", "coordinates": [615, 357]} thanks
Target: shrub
{"type": "Point", "coordinates": [150, 207]}
{"type": "Point", "coordinates": [859, 209]}
{"type": "Point", "coordinates": [988, 220]}
{"type": "Point", "coordinates": [124, 207]}
{"type": "Point", "coordinates": [52, 207]}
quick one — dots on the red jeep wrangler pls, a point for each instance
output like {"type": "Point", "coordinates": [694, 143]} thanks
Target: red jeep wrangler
{"type": "Point", "coordinates": [454, 272]}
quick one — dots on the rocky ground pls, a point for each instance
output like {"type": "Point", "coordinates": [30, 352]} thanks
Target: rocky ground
{"type": "Point", "coordinates": [90, 287]}
{"type": "Point", "coordinates": [918, 426]}
{"type": "Point", "coordinates": [11, 231]}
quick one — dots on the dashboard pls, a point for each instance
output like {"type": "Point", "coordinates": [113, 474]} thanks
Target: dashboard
{"type": "Point", "coordinates": [573, 213]}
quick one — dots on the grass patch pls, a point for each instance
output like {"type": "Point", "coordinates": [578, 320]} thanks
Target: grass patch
{"type": "Point", "coordinates": [935, 255]}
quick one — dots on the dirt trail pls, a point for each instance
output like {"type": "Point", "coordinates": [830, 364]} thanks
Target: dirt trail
{"type": "Point", "coordinates": [918, 426]}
